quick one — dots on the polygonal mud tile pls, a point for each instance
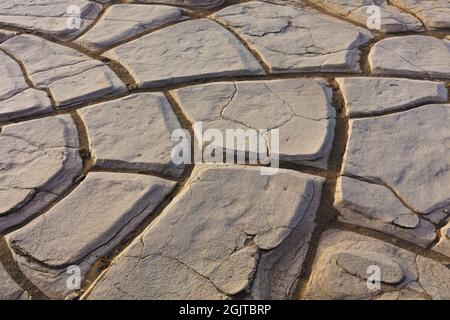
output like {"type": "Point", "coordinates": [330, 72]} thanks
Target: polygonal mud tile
{"type": "Point", "coordinates": [361, 11]}
{"type": "Point", "coordinates": [396, 173]}
{"type": "Point", "coordinates": [58, 19]}
{"type": "Point", "coordinates": [186, 51]}
{"type": "Point", "coordinates": [416, 55]}
{"type": "Point", "coordinates": [296, 39]}
{"type": "Point", "coordinates": [39, 160]}
{"type": "Point", "coordinates": [121, 22]}
{"type": "Point", "coordinates": [372, 96]}
{"type": "Point", "coordinates": [71, 76]}
{"type": "Point", "coordinates": [133, 133]}
{"type": "Point", "coordinates": [299, 108]}
{"type": "Point", "coordinates": [103, 210]}
{"type": "Point", "coordinates": [347, 264]}
{"type": "Point", "coordinates": [17, 99]}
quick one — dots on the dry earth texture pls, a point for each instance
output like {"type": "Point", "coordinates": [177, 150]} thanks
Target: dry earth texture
{"type": "Point", "coordinates": [86, 177]}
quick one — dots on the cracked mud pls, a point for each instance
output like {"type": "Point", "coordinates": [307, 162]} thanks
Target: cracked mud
{"type": "Point", "coordinates": [87, 179]}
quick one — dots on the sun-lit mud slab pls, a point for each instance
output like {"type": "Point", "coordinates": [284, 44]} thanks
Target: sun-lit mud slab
{"type": "Point", "coordinates": [70, 76]}
{"type": "Point", "coordinates": [133, 133]}
{"type": "Point", "coordinates": [395, 173]}
{"type": "Point", "coordinates": [299, 108]}
{"type": "Point", "coordinates": [187, 51]}
{"type": "Point", "coordinates": [50, 17]}
{"type": "Point", "coordinates": [103, 210]}
{"type": "Point", "coordinates": [17, 99]}
{"type": "Point", "coordinates": [253, 244]}
{"type": "Point", "coordinates": [392, 19]}
{"type": "Point", "coordinates": [416, 55]}
{"type": "Point", "coordinates": [341, 269]}
{"type": "Point", "coordinates": [9, 289]}
{"type": "Point", "coordinates": [124, 21]}
{"type": "Point", "coordinates": [187, 3]}
{"type": "Point", "coordinates": [295, 39]}
{"type": "Point", "coordinates": [372, 96]}
{"type": "Point", "coordinates": [39, 160]}
{"type": "Point", "coordinates": [434, 13]}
